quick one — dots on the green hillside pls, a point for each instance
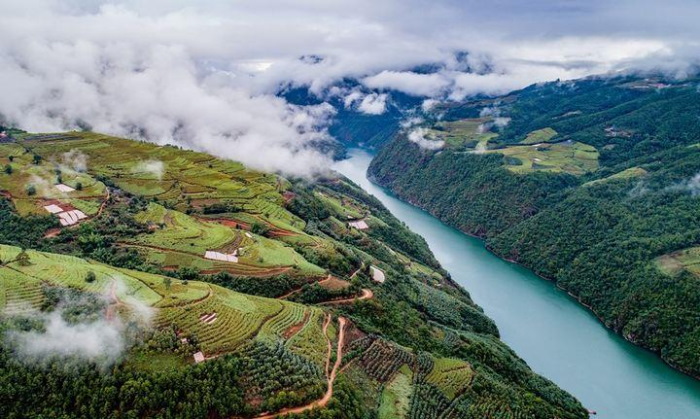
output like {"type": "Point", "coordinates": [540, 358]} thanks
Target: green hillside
{"type": "Point", "coordinates": [591, 183]}
{"type": "Point", "coordinates": [226, 292]}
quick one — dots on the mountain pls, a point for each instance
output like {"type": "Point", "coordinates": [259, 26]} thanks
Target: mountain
{"type": "Point", "coordinates": [352, 126]}
{"type": "Point", "coordinates": [591, 183]}
{"type": "Point", "coordinates": [149, 281]}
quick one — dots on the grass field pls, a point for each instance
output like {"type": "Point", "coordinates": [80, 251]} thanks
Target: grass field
{"type": "Point", "coordinates": [676, 262]}
{"type": "Point", "coordinates": [632, 172]}
{"type": "Point", "coordinates": [396, 397]}
{"type": "Point", "coordinates": [469, 131]}
{"type": "Point", "coordinates": [540, 136]}
{"type": "Point", "coordinates": [568, 157]}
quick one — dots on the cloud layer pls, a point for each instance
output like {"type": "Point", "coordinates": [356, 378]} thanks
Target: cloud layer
{"type": "Point", "coordinates": [204, 74]}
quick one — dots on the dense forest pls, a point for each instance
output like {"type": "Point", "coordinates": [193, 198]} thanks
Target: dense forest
{"type": "Point", "coordinates": [602, 235]}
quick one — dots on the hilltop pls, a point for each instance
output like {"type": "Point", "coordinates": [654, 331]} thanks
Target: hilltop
{"type": "Point", "coordinates": [211, 290]}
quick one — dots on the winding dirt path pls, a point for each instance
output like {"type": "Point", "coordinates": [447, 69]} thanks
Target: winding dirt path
{"type": "Point", "coordinates": [104, 203]}
{"type": "Point", "coordinates": [112, 308]}
{"type": "Point", "coordinates": [366, 295]}
{"type": "Point", "coordinates": [296, 290]}
{"type": "Point", "coordinates": [331, 377]}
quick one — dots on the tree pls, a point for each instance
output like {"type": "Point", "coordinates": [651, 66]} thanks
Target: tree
{"type": "Point", "coordinates": [79, 186]}
{"type": "Point", "coordinates": [260, 229]}
{"type": "Point", "coordinates": [23, 258]}
{"type": "Point", "coordinates": [8, 169]}
{"type": "Point", "coordinates": [167, 282]}
{"type": "Point", "coordinates": [12, 158]}
{"type": "Point", "coordinates": [36, 159]}
{"type": "Point", "coordinates": [90, 277]}
{"type": "Point", "coordinates": [31, 190]}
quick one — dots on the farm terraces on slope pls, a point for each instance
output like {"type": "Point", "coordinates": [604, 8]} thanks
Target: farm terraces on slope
{"type": "Point", "coordinates": [302, 313]}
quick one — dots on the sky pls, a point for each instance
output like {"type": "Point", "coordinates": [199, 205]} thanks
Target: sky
{"type": "Point", "coordinates": [204, 74]}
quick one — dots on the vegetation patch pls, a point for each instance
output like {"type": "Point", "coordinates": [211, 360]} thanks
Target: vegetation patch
{"type": "Point", "coordinates": [539, 136]}
{"type": "Point", "coordinates": [565, 157]}
{"type": "Point", "coordinates": [396, 396]}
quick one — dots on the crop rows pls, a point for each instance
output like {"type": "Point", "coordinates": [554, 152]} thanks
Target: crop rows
{"type": "Point", "coordinates": [309, 341]}
{"type": "Point", "coordinates": [490, 408]}
{"type": "Point", "coordinates": [382, 360]}
{"type": "Point", "coordinates": [185, 233]}
{"type": "Point", "coordinates": [291, 314]}
{"type": "Point", "coordinates": [450, 375]}
{"type": "Point", "coordinates": [228, 331]}
{"type": "Point", "coordinates": [428, 402]}
{"type": "Point", "coordinates": [269, 368]}
{"type": "Point", "coordinates": [18, 292]}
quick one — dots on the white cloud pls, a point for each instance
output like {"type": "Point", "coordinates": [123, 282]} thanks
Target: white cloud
{"type": "Point", "coordinates": [74, 160]}
{"type": "Point", "coordinates": [204, 74]}
{"type": "Point", "coordinates": [154, 168]}
{"type": "Point", "coordinates": [373, 104]}
{"type": "Point", "coordinates": [409, 82]}
{"type": "Point", "coordinates": [429, 104]}
{"type": "Point", "coordinates": [99, 340]}
{"type": "Point", "coordinates": [420, 137]}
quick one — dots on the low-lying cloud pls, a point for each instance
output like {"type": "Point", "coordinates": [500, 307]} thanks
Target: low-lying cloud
{"type": "Point", "coordinates": [74, 160]}
{"type": "Point", "coordinates": [97, 341]}
{"type": "Point", "coordinates": [420, 136]}
{"type": "Point", "coordinates": [206, 75]}
{"type": "Point", "coordinates": [155, 168]}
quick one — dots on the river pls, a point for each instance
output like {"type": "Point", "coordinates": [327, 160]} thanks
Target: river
{"type": "Point", "coordinates": [551, 331]}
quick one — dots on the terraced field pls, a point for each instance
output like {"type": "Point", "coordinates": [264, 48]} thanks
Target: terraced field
{"type": "Point", "coordinates": [632, 172]}
{"type": "Point", "coordinates": [42, 178]}
{"type": "Point", "coordinates": [308, 341]}
{"type": "Point", "coordinates": [238, 317]}
{"type": "Point", "coordinates": [178, 231]}
{"type": "Point", "coordinates": [167, 173]}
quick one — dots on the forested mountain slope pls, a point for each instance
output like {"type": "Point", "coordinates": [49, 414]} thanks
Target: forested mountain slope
{"type": "Point", "coordinates": [146, 281]}
{"type": "Point", "coordinates": [592, 183]}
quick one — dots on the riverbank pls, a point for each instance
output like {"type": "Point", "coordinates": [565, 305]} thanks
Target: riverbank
{"type": "Point", "coordinates": [596, 314]}
{"type": "Point", "coordinates": [550, 330]}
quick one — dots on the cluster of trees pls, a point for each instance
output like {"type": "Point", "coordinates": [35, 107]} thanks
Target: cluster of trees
{"type": "Point", "coordinates": [80, 389]}
{"type": "Point", "coordinates": [314, 293]}
{"type": "Point", "coordinates": [272, 286]}
{"type": "Point", "coordinates": [279, 377]}
{"type": "Point", "coordinates": [19, 231]}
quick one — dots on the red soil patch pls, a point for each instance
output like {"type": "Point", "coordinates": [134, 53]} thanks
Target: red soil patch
{"type": "Point", "coordinates": [295, 328]}
{"type": "Point", "coordinates": [334, 284]}
{"type": "Point", "coordinates": [52, 232]}
{"type": "Point", "coordinates": [353, 333]}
